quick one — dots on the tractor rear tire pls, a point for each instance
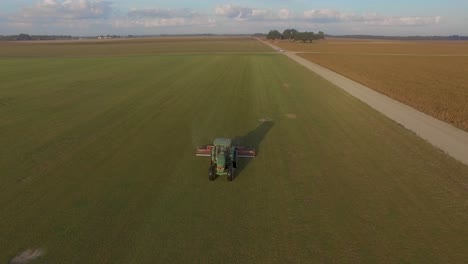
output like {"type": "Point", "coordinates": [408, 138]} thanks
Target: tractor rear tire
{"type": "Point", "coordinates": [211, 173]}
{"type": "Point", "coordinates": [230, 175]}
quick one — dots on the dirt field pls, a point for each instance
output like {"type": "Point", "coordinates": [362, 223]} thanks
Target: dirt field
{"type": "Point", "coordinates": [437, 86]}
{"type": "Point", "coordinates": [380, 47]}
{"type": "Point", "coordinates": [431, 77]}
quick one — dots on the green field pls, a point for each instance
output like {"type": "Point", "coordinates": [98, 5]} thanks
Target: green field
{"type": "Point", "coordinates": [97, 166]}
{"type": "Point", "coordinates": [125, 47]}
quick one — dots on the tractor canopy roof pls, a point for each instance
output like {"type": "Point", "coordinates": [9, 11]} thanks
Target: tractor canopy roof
{"type": "Point", "coordinates": [226, 142]}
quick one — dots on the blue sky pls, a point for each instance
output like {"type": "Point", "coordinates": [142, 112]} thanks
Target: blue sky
{"type": "Point", "coordinates": [92, 17]}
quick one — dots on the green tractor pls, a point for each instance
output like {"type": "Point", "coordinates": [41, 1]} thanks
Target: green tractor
{"type": "Point", "coordinates": [223, 157]}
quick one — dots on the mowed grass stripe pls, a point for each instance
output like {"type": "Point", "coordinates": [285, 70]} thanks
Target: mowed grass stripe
{"type": "Point", "coordinates": [334, 181]}
{"type": "Point", "coordinates": [106, 99]}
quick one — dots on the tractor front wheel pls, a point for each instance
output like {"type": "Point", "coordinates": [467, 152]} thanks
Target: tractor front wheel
{"type": "Point", "coordinates": [211, 173]}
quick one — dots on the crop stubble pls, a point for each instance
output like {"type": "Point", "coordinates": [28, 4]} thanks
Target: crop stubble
{"type": "Point", "coordinates": [380, 47]}
{"type": "Point", "coordinates": [431, 77]}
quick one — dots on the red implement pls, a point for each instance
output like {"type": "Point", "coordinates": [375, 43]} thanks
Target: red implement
{"type": "Point", "coordinates": [241, 151]}
{"type": "Point", "coordinates": [204, 151]}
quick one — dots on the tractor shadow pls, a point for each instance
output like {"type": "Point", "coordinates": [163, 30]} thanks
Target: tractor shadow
{"type": "Point", "coordinates": [251, 140]}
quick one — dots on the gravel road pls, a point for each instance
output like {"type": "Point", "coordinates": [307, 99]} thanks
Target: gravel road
{"type": "Point", "coordinates": [451, 140]}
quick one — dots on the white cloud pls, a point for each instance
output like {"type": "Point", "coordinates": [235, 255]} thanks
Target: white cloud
{"type": "Point", "coordinates": [240, 12]}
{"type": "Point", "coordinates": [284, 13]}
{"type": "Point", "coordinates": [162, 22]}
{"type": "Point", "coordinates": [323, 16]}
{"type": "Point", "coordinates": [232, 11]}
{"type": "Point", "coordinates": [405, 21]}
{"type": "Point", "coordinates": [66, 16]}
{"type": "Point", "coordinates": [157, 17]}
{"type": "Point", "coordinates": [67, 10]}
{"type": "Point", "coordinates": [163, 13]}
{"type": "Point", "coordinates": [58, 17]}
{"type": "Point", "coordinates": [320, 16]}
{"type": "Point", "coordinates": [333, 16]}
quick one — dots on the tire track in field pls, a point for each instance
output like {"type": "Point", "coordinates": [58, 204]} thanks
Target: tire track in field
{"type": "Point", "coordinates": [449, 139]}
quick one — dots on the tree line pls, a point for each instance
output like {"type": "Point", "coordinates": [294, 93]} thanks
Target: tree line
{"type": "Point", "coordinates": [295, 35]}
{"type": "Point", "coordinates": [23, 36]}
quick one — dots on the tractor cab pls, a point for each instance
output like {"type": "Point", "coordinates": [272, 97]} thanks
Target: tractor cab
{"type": "Point", "coordinates": [222, 146]}
{"type": "Point", "coordinates": [222, 143]}
{"type": "Point", "coordinates": [221, 150]}
{"type": "Point", "coordinates": [222, 158]}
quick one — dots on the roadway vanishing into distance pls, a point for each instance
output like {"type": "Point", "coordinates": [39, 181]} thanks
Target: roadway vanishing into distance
{"type": "Point", "coordinates": [444, 136]}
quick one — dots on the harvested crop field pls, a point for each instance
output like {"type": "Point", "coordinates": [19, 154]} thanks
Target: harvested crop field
{"type": "Point", "coordinates": [430, 76]}
{"type": "Point", "coordinates": [98, 166]}
{"type": "Point", "coordinates": [380, 47]}
{"type": "Point", "coordinates": [437, 86]}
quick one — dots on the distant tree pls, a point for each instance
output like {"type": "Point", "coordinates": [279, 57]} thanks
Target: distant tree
{"type": "Point", "coordinates": [321, 35]}
{"type": "Point", "coordinates": [293, 34]}
{"type": "Point", "coordinates": [289, 34]}
{"type": "Point", "coordinates": [305, 37]}
{"type": "Point", "coordinates": [286, 34]}
{"type": "Point", "coordinates": [310, 36]}
{"type": "Point", "coordinates": [274, 34]}
{"type": "Point", "coordinates": [23, 37]}
{"type": "Point", "coordinates": [299, 36]}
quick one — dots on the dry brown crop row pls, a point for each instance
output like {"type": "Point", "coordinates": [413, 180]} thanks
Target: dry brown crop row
{"type": "Point", "coordinates": [437, 86]}
{"type": "Point", "coordinates": [381, 47]}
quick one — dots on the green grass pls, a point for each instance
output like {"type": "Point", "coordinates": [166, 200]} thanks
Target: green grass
{"type": "Point", "coordinates": [87, 48]}
{"type": "Point", "coordinates": [97, 166]}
